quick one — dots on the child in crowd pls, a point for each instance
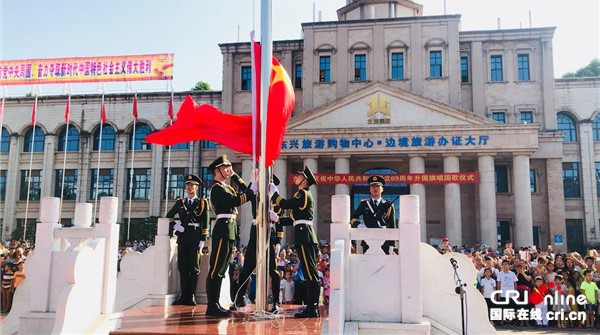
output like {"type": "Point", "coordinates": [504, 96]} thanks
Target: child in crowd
{"type": "Point", "coordinates": [487, 286]}
{"type": "Point", "coordinates": [589, 288]}
{"type": "Point", "coordinates": [560, 305]}
{"type": "Point", "coordinates": [287, 289]}
{"type": "Point", "coordinates": [325, 283]}
{"type": "Point", "coordinates": [541, 307]}
{"type": "Point", "coordinates": [8, 280]}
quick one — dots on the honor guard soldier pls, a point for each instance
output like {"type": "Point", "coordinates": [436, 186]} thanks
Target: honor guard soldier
{"type": "Point", "coordinates": [224, 200]}
{"type": "Point", "coordinates": [251, 255]}
{"type": "Point", "coordinates": [376, 212]}
{"type": "Point", "coordinates": [191, 233]}
{"type": "Point", "coordinates": [302, 208]}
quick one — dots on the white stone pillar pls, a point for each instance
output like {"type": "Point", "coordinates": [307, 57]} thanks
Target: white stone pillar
{"type": "Point", "coordinates": [109, 229]}
{"type": "Point", "coordinates": [246, 211]}
{"type": "Point", "coordinates": [417, 165]}
{"type": "Point", "coordinates": [452, 203]}
{"type": "Point", "coordinates": [313, 165]}
{"type": "Point", "coordinates": [342, 165]}
{"type": "Point", "coordinates": [523, 211]}
{"type": "Point", "coordinates": [487, 200]}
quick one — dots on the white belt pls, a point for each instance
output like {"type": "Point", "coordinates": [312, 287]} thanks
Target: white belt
{"type": "Point", "coordinates": [254, 222]}
{"type": "Point", "coordinates": [193, 224]}
{"type": "Point", "coordinates": [226, 216]}
{"type": "Point", "coordinates": [306, 222]}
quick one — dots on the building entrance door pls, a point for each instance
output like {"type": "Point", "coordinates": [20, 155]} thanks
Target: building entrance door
{"type": "Point", "coordinates": [503, 232]}
{"type": "Point", "coordinates": [391, 192]}
{"type": "Point", "coordinates": [575, 235]}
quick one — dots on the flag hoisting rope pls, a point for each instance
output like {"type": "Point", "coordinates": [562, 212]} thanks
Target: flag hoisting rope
{"type": "Point", "coordinates": [65, 148]}
{"type": "Point", "coordinates": [135, 117]}
{"type": "Point", "coordinates": [102, 121]}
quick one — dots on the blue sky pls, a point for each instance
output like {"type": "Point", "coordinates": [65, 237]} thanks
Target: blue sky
{"type": "Point", "coordinates": [192, 30]}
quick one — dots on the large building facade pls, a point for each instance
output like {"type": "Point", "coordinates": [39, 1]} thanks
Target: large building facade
{"type": "Point", "coordinates": [382, 90]}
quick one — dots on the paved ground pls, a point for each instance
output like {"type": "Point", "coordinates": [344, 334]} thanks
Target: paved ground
{"type": "Point", "coordinates": [550, 330]}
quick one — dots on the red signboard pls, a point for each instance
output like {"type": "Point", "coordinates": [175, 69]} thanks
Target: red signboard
{"type": "Point", "coordinates": [410, 178]}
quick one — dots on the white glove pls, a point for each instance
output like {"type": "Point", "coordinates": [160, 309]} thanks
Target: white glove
{"type": "Point", "coordinates": [273, 216]}
{"type": "Point", "coordinates": [201, 245]}
{"type": "Point", "coordinates": [254, 186]}
{"type": "Point", "coordinates": [362, 225]}
{"type": "Point", "coordinates": [178, 227]}
{"type": "Point", "coordinates": [272, 189]}
{"type": "Point", "coordinates": [277, 249]}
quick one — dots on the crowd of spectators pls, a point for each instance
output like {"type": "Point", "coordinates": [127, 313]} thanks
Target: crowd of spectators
{"type": "Point", "coordinates": [541, 273]}
{"type": "Point", "coordinates": [13, 255]}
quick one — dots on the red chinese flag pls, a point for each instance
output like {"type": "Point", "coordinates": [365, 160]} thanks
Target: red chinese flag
{"type": "Point", "coordinates": [102, 113]}
{"type": "Point", "coordinates": [68, 109]}
{"type": "Point", "coordinates": [171, 109]}
{"type": "Point", "coordinates": [135, 113]}
{"type": "Point", "coordinates": [33, 113]}
{"type": "Point", "coordinates": [206, 122]}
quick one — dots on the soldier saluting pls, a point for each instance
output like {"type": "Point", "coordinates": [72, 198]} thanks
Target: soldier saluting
{"type": "Point", "coordinates": [302, 208]}
{"type": "Point", "coordinates": [224, 200]}
{"type": "Point", "coordinates": [376, 212]}
{"type": "Point", "coordinates": [191, 234]}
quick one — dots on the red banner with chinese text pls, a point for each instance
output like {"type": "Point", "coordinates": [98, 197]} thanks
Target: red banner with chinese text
{"type": "Point", "coordinates": [412, 178]}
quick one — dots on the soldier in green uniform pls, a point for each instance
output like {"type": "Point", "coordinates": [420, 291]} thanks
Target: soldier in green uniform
{"type": "Point", "coordinates": [376, 212]}
{"type": "Point", "coordinates": [191, 233]}
{"type": "Point", "coordinates": [250, 255]}
{"type": "Point", "coordinates": [224, 200]}
{"type": "Point", "coordinates": [302, 208]}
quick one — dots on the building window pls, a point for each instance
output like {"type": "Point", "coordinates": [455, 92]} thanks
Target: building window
{"type": "Point", "coordinates": [501, 178]}
{"type": "Point", "coordinates": [209, 145]}
{"type": "Point", "coordinates": [360, 67]}
{"type": "Point", "coordinates": [324, 69]}
{"type": "Point", "coordinates": [246, 78]}
{"type": "Point", "coordinates": [72, 141]}
{"type": "Point", "coordinates": [523, 66]}
{"type": "Point", "coordinates": [141, 130]}
{"type": "Point", "coordinates": [104, 181]}
{"type": "Point", "coordinates": [298, 76]}
{"type": "Point", "coordinates": [70, 184]}
{"type": "Point", "coordinates": [34, 184]}
{"type": "Point", "coordinates": [397, 65]}
{"type": "Point", "coordinates": [108, 138]}
{"type": "Point", "coordinates": [4, 140]}
{"type": "Point", "coordinates": [526, 117]}
{"type": "Point", "coordinates": [595, 129]}
{"type": "Point", "coordinates": [181, 146]}
{"type": "Point", "coordinates": [435, 64]}
{"type": "Point", "coordinates": [176, 183]}
{"type": "Point", "coordinates": [464, 69]}
{"type": "Point", "coordinates": [496, 68]}
{"type": "Point", "coordinates": [141, 184]}
{"type": "Point", "coordinates": [597, 179]}
{"type": "Point", "coordinates": [571, 180]}
{"type": "Point", "coordinates": [3, 185]}
{"type": "Point", "coordinates": [38, 140]}
{"type": "Point", "coordinates": [208, 179]}
{"type": "Point", "coordinates": [566, 124]}
{"type": "Point", "coordinates": [532, 181]}
{"type": "Point", "coordinates": [499, 116]}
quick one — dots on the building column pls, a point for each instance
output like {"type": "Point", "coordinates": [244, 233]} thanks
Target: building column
{"type": "Point", "coordinates": [280, 169]}
{"type": "Point", "coordinates": [556, 197]}
{"type": "Point", "coordinates": [313, 165]}
{"type": "Point", "coordinates": [416, 164]}
{"type": "Point", "coordinates": [246, 216]}
{"type": "Point", "coordinates": [487, 200]}
{"type": "Point", "coordinates": [523, 211]}
{"type": "Point", "coordinates": [121, 168]}
{"type": "Point", "coordinates": [157, 200]}
{"type": "Point", "coordinates": [13, 182]}
{"type": "Point", "coordinates": [49, 174]}
{"type": "Point", "coordinates": [589, 193]}
{"type": "Point", "coordinates": [452, 203]}
{"type": "Point", "coordinates": [342, 165]}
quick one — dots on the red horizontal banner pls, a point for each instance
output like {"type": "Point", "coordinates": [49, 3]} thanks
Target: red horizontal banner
{"type": "Point", "coordinates": [411, 178]}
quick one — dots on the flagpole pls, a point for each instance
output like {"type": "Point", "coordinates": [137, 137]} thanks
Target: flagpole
{"type": "Point", "coordinates": [1, 133]}
{"type": "Point", "coordinates": [169, 157]}
{"type": "Point", "coordinates": [34, 113]}
{"type": "Point", "coordinates": [102, 110]}
{"type": "Point", "coordinates": [263, 215]}
{"type": "Point", "coordinates": [132, 161]}
{"type": "Point", "coordinates": [62, 182]}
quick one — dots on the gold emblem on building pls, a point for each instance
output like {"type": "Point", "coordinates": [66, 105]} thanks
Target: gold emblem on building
{"type": "Point", "coordinates": [379, 109]}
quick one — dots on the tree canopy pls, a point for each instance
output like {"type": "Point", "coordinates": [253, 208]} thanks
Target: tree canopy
{"type": "Point", "coordinates": [201, 86]}
{"type": "Point", "coordinates": [591, 70]}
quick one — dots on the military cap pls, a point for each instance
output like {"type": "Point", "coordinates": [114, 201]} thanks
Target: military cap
{"type": "Point", "coordinates": [373, 180]}
{"type": "Point", "coordinates": [193, 179]}
{"type": "Point", "coordinates": [307, 173]}
{"type": "Point", "coordinates": [220, 161]}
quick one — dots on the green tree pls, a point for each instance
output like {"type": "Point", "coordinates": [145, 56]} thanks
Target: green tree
{"type": "Point", "coordinates": [138, 231]}
{"type": "Point", "coordinates": [591, 70]}
{"type": "Point", "coordinates": [201, 86]}
{"type": "Point", "coordinates": [17, 233]}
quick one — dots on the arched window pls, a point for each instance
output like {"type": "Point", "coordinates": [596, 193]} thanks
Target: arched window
{"type": "Point", "coordinates": [596, 128]}
{"type": "Point", "coordinates": [4, 140]}
{"type": "Point", "coordinates": [391, 192]}
{"type": "Point", "coordinates": [141, 130]}
{"type": "Point", "coordinates": [72, 143]}
{"type": "Point", "coordinates": [37, 137]}
{"type": "Point", "coordinates": [108, 138]}
{"type": "Point", "coordinates": [566, 124]}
